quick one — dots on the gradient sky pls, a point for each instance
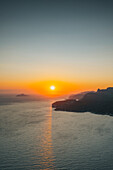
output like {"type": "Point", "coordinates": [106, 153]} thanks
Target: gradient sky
{"type": "Point", "coordinates": [60, 40]}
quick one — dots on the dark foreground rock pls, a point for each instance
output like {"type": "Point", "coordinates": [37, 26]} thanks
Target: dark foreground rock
{"type": "Point", "coordinates": [100, 102]}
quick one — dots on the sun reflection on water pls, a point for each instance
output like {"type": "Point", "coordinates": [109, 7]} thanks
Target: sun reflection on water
{"type": "Point", "coordinates": [46, 149]}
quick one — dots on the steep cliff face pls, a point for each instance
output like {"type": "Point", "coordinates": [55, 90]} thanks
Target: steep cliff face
{"type": "Point", "coordinates": [100, 102]}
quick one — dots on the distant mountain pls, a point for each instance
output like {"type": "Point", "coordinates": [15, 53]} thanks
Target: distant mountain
{"type": "Point", "coordinates": [100, 102]}
{"type": "Point", "coordinates": [79, 95]}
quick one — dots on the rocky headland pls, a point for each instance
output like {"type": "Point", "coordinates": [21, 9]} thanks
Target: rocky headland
{"type": "Point", "coordinates": [99, 102]}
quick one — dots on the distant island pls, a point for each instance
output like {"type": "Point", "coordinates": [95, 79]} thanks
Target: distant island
{"type": "Point", "coordinates": [21, 95]}
{"type": "Point", "coordinates": [99, 102]}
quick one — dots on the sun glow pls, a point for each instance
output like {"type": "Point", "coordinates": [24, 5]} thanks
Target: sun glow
{"type": "Point", "coordinates": [52, 87]}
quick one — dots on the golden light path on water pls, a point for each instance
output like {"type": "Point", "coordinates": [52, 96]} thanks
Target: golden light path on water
{"type": "Point", "coordinates": [46, 148]}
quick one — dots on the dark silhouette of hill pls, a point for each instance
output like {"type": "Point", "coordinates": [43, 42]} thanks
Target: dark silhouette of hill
{"type": "Point", "coordinates": [100, 102]}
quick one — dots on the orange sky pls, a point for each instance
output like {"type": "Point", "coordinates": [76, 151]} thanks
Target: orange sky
{"type": "Point", "coordinates": [61, 87]}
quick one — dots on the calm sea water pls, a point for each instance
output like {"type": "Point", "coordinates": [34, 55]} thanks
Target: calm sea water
{"type": "Point", "coordinates": [33, 136]}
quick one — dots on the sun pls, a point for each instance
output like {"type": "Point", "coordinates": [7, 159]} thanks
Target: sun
{"type": "Point", "coordinates": [52, 87]}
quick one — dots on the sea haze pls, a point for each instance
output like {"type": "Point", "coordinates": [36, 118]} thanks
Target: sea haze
{"type": "Point", "coordinates": [33, 136]}
{"type": "Point", "coordinates": [6, 99]}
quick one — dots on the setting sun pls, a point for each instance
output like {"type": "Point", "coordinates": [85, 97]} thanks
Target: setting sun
{"type": "Point", "coordinates": [52, 87]}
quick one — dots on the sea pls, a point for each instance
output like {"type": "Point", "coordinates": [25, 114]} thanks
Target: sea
{"type": "Point", "coordinates": [35, 136]}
